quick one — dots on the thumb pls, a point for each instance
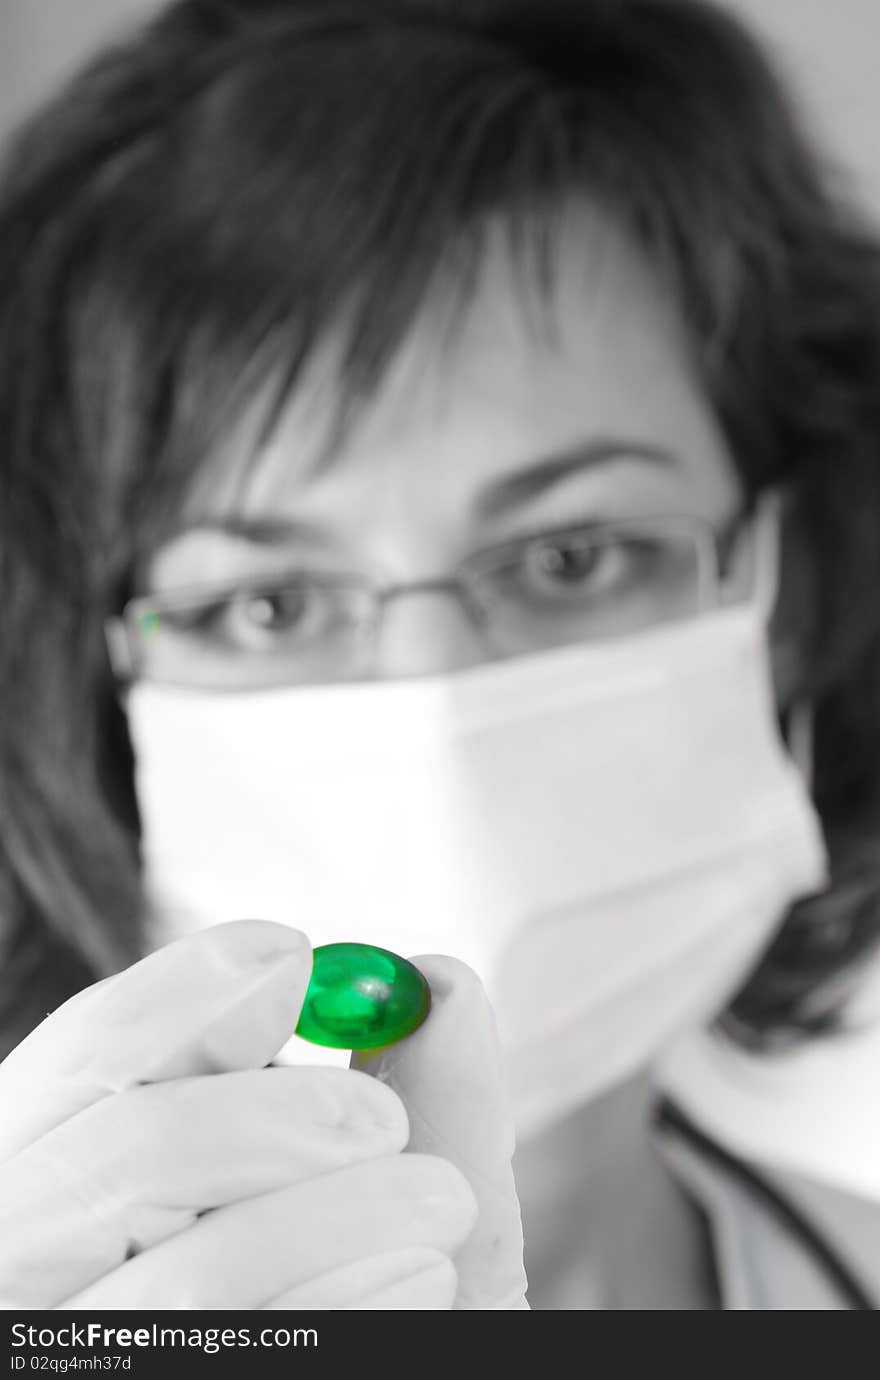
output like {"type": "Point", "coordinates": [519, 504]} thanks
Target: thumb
{"type": "Point", "coordinates": [448, 1074]}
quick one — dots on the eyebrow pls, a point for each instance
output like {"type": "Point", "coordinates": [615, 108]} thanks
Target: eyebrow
{"type": "Point", "coordinates": [498, 499]}
{"type": "Point", "coordinates": [516, 489]}
{"type": "Point", "coordinates": [263, 530]}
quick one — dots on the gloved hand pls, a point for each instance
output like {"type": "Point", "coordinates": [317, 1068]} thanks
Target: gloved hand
{"type": "Point", "coordinates": [448, 1074]}
{"type": "Point", "coordinates": [149, 1159]}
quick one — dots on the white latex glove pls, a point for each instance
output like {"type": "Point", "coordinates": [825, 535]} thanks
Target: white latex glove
{"type": "Point", "coordinates": [448, 1073]}
{"type": "Point", "coordinates": [149, 1159]}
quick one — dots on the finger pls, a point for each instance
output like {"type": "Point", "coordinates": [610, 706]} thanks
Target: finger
{"type": "Point", "coordinates": [432, 1289]}
{"type": "Point", "coordinates": [414, 1278]}
{"type": "Point", "coordinates": [225, 998]}
{"type": "Point", "coordinates": [244, 1255]}
{"type": "Point", "coordinates": [135, 1169]}
{"type": "Point", "coordinates": [449, 1077]}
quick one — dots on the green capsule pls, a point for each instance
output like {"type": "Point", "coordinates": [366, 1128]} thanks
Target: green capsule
{"type": "Point", "coordinates": [361, 997]}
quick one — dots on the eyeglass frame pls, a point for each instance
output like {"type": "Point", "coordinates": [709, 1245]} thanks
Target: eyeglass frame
{"type": "Point", "coordinates": [713, 548]}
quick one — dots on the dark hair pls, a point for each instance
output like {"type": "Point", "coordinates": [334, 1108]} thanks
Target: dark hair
{"type": "Point", "coordinates": [181, 225]}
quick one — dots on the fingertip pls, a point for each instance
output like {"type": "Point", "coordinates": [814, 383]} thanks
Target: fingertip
{"type": "Point", "coordinates": [384, 1106]}
{"type": "Point", "coordinates": [429, 1288]}
{"type": "Point", "coordinates": [447, 975]}
{"type": "Point", "coordinates": [451, 1188]}
{"type": "Point", "coordinates": [410, 1277]}
{"type": "Point", "coordinates": [255, 942]}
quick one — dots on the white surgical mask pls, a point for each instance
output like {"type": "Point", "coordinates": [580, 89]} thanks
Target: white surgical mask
{"type": "Point", "coordinates": [609, 834]}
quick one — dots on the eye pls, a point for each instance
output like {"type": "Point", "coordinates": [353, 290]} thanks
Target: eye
{"type": "Point", "coordinates": [259, 618]}
{"type": "Point", "coordinates": [271, 612]}
{"type": "Point", "coordinates": [573, 566]}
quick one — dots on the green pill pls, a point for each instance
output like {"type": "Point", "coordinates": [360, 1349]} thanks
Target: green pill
{"type": "Point", "coordinates": [361, 997]}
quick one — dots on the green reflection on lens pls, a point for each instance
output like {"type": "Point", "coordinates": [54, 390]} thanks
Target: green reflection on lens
{"type": "Point", "coordinates": [148, 623]}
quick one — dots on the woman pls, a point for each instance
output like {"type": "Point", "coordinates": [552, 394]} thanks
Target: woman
{"type": "Point", "coordinates": [413, 414]}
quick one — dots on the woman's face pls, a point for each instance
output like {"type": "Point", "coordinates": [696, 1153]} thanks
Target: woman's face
{"type": "Point", "coordinates": [423, 822]}
{"type": "Point", "coordinates": [518, 421]}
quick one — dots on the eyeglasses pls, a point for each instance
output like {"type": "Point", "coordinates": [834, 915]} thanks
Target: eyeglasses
{"type": "Point", "coordinates": [301, 626]}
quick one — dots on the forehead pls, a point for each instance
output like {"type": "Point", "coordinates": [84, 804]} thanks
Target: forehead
{"type": "Point", "coordinates": [517, 371]}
